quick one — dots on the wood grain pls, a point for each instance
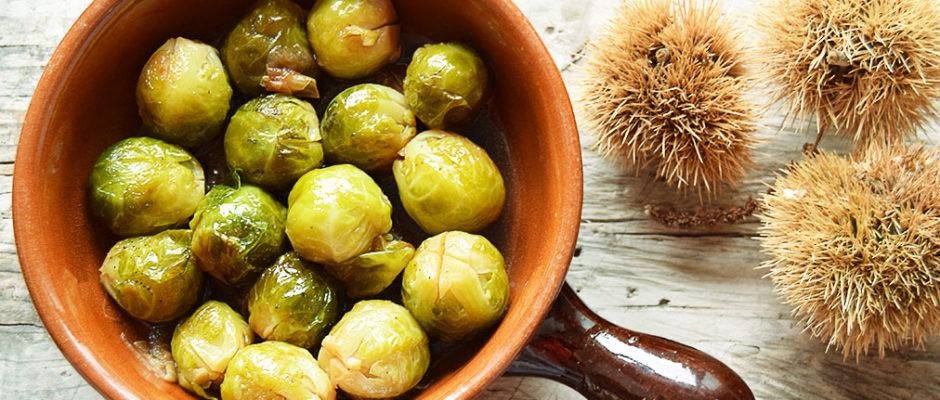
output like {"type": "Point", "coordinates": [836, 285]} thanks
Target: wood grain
{"type": "Point", "coordinates": [696, 286]}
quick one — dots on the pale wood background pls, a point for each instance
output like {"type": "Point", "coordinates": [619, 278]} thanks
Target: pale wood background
{"type": "Point", "coordinates": [696, 286]}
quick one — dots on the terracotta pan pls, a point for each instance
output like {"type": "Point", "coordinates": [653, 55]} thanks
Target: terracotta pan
{"type": "Point", "coordinates": [85, 101]}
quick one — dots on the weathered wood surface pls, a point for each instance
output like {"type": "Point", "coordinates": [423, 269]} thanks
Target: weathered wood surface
{"type": "Point", "coordinates": [696, 286]}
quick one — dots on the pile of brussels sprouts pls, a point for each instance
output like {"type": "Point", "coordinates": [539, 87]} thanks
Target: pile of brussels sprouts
{"type": "Point", "coordinates": [301, 232]}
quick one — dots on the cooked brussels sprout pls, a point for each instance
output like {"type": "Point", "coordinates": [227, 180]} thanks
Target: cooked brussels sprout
{"type": "Point", "coordinates": [371, 272]}
{"type": "Point", "coordinates": [444, 85]}
{"type": "Point", "coordinates": [204, 343]}
{"type": "Point", "coordinates": [268, 41]}
{"type": "Point", "coordinates": [353, 38]}
{"type": "Point", "coordinates": [334, 213]}
{"type": "Point", "coordinates": [153, 278]}
{"type": "Point", "coordinates": [446, 182]}
{"type": "Point", "coordinates": [456, 285]}
{"type": "Point", "coordinates": [294, 302]}
{"type": "Point", "coordinates": [237, 233]}
{"type": "Point", "coordinates": [273, 140]}
{"type": "Point", "coordinates": [141, 186]}
{"type": "Point", "coordinates": [276, 370]}
{"type": "Point", "coordinates": [376, 351]}
{"type": "Point", "coordinates": [366, 125]}
{"type": "Point", "coordinates": [183, 93]}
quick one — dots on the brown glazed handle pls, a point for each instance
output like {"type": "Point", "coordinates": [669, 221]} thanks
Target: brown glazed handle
{"type": "Point", "coordinates": [603, 361]}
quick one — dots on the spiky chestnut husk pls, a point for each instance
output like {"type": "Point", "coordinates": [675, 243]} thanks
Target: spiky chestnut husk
{"type": "Point", "coordinates": [856, 246]}
{"type": "Point", "coordinates": [665, 86]}
{"type": "Point", "coordinates": [867, 69]}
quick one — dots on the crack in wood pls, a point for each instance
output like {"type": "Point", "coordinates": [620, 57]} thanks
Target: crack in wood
{"type": "Point", "coordinates": [21, 324]}
{"type": "Point", "coordinates": [690, 234]}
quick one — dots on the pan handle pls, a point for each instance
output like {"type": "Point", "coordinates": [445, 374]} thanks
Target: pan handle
{"type": "Point", "coordinates": [603, 361]}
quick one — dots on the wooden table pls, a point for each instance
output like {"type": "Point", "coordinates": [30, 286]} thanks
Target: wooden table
{"type": "Point", "coordinates": [697, 286]}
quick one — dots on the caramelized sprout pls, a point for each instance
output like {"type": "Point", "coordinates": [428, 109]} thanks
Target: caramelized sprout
{"type": "Point", "coordinates": [294, 302]}
{"type": "Point", "coordinates": [204, 343]}
{"type": "Point", "coordinates": [153, 278]}
{"type": "Point", "coordinates": [376, 351]}
{"type": "Point", "coordinates": [183, 93]}
{"type": "Point", "coordinates": [444, 85]}
{"type": "Point", "coordinates": [268, 49]}
{"type": "Point", "coordinates": [366, 125]}
{"type": "Point", "coordinates": [354, 38]}
{"type": "Point", "coordinates": [276, 370]}
{"type": "Point", "coordinates": [456, 285]}
{"type": "Point", "coordinates": [237, 233]}
{"type": "Point", "coordinates": [446, 182]}
{"type": "Point", "coordinates": [335, 212]}
{"type": "Point", "coordinates": [142, 185]}
{"type": "Point", "coordinates": [273, 140]}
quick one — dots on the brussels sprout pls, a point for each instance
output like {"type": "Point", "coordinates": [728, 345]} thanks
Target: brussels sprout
{"type": "Point", "coordinates": [183, 93]}
{"type": "Point", "coordinates": [153, 278]}
{"type": "Point", "coordinates": [334, 213]}
{"type": "Point", "coordinates": [376, 351]}
{"type": "Point", "coordinates": [141, 186]}
{"type": "Point", "coordinates": [446, 182]}
{"type": "Point", "coordinates": [366, 125]}
{"type": "Point", "coordinates": [204, 343]}
{"type": "Point", "coordinates": [371, 272]}
{"type": "Point", "coordinates": [268, 42]}
{"type": "Point", "coordinates": [237, 233]}
{"type": "Point", "coordinates": [353, 38]}
{"type": "Point", "coordinates": [294, 302]}
{"type": "Point", "coordinates": [276, 370]}
{"type": "Point", "coordinates": [273, 140]}
{"type": "Point", "coordinates": [456, 285]}
{"type": "Point", "coordinates": [444, 85]}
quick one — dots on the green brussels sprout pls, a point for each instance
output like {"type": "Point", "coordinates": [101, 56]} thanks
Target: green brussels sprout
{"type": "Point", "coordinates": [353, 38]}
{"type": "Point", "coordinates": [270, 41]}
{"type": "Point", "coordinates": [204, 344]}
{"type": "Point", "coordinates": [446, 182]}
{"type": "Point", "coordinates": [456, 285]}
{"type": "Point", "coordinates": [371, 272]}
{"type": "Point", "coordinates": [294, 302]}
{"type": "Point", "coordinates": [237, 233]}
{"type": "Point", "coordinates": [376, 351]}
{"type": "Point", "coordinates": [276, 370]}
{"type": "Point", "coordinates": [273, 140]}
{"type": "Point", "coordinates": [366, 125]}
{"type": "Point", "coordinates": [183, 93]}
{"type": "Point", "coordinates": [153, 278]}
{"type": "Point", "coordinates": [444, 85]}
{"type": "Point", "coordinates": [334, 213]}
{"type": "Point", "coordinates": [141, 186]}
